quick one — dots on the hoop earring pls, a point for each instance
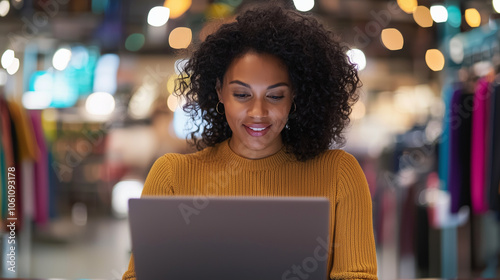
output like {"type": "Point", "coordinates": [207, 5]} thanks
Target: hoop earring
{"type": "Point", "coordinates": [217, 108]}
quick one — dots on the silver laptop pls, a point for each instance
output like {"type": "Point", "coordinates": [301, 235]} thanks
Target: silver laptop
{"type": "Point", "coordinates": [230, 237]}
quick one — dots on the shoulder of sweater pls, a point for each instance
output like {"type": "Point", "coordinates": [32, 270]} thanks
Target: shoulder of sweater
{"type": "Point", "coordinates": [341, 160]}
{"type": "Point", "coordinates": [331, 156]}
{"type": "Point", "coordinates": [176, 158]}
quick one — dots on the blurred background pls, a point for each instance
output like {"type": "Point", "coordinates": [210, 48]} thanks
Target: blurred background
{"type": "Point", "coordinates": [86, 108]}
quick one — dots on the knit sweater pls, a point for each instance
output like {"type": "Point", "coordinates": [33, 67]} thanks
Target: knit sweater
{"type": "Point", "coordinates": [335, 174]}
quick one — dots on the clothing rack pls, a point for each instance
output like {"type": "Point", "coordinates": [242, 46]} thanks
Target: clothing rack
{"type": "Point", "coordinates": [481, 49]}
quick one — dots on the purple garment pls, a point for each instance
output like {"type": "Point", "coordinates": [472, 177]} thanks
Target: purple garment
{"type": "Point", "coordinates": [41, 171]}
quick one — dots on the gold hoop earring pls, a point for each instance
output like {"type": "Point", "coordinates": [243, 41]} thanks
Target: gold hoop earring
{"type": "Point", "coordinates": [217, 108]}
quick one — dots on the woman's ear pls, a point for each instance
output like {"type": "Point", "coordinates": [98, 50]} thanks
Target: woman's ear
{"type": "Point", "coordinates": [218, 88]}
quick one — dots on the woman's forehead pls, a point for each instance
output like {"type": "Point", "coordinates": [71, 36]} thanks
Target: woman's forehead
{"type": "Point", "coordinates": [257, 67]}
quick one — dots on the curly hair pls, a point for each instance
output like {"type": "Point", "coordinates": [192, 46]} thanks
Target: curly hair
{"type": "Point", "coordinates": [324, 82]}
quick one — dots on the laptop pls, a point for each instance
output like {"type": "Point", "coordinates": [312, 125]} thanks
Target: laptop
{"type": "Point", "coordinates": [230, 237]}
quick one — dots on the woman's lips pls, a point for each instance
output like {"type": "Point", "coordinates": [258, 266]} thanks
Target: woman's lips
{"type": "Point", "coordinates": [257, 130]}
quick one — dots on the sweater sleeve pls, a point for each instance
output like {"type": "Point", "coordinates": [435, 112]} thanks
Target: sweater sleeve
{"type": "Point", "coordinates": [157, 184]}
{"type": "Point", "coordinates": [354, 254]}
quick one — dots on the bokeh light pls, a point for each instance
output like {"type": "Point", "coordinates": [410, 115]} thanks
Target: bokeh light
{"type": "Point", "coordinates": [358, 58]}
{"type": "Point", "coordinates": [100, 104]}
{"type": "Point", "coordinates": [439, 13]}
{"type": "Point", "coordinates": [142, 101]}
{"type": "Point", "coordinates": [407, 5]}
{"type": "Point", "coordinates": [472, 17]}
{"type": "Point", "coordinates": [177, 7]}
{"type": "Point", "coordinates": [158, 16]}
{"type": "Point", "coordinates": [135, 42]}
{"type": "Point", "coordinates": [42, 81]}
{"type": "Point", "coordinates": [3, 77]}
{"type": "Point", "coordinates": [422, 16]}
{"type": "Point", "coordinates": [7, 58]}
{"type": "Point", "coordinates": [79, 57]}
{"type": "Point", "coordinates": [457, 49]}
{"type": "Point", "coordinates": [434, 59]}
{"type": "Point", "coordinates": [392, 39]}
{"type": "Point", "coordinates": [180, 38]}
{"type": "Point", "coordinates": [105, 73]}
{"type": "Point", "coordinates": [122, 192]}
{"type": "Point", "coordinates": [218, 11]}
{"type": "Point", "coordinates": [61, 58]}
{"type": "Point", "coordinates": [13, 67]}
{"type": "Point", "coordinates": [37, 100]}
{"type": "Point", "coordinates": [454, 16]}
{"type": "Point", "coordinates": [172, 102]}
{"type": "Point", "coordinates": [171, 83]}
{"type": "Point", "coordinates": [358, 111]}
{"type": "Point", "coordinates": [496, 5]}
{"type": "Point", "coordinates": [4, 8]}
{"type": "Point", "coordinates": [303, 5]}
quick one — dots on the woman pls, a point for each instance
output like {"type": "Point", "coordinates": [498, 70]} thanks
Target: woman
{"type": "Point", "coordinates": [274, 91]}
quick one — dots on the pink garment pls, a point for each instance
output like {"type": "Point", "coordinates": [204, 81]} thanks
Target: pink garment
{"type": "Point", "coordinates": [41, 171]}
{"type": "Point", "coordinates": [478, 146]}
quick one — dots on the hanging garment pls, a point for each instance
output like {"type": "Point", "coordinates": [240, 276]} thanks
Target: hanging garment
{"type": "Point", "coordinates": [444, 144]}
{"type": "Point", "coordinates": [41, 190]}
{"type": "Point", "coordinates": [493, 195]}
{"type": "Point", "coordinates": [478, 147]}
{"type": "Point", "coordinates": [7, 155]}
{"type": "Point", "coordinates": [455, 167]}
{"type": "Point", "coordinates": [494, 151]}
{"type": "Point", "coordinates": [460, 153]}
{"type": "Point", "coordinates": [25, 153]}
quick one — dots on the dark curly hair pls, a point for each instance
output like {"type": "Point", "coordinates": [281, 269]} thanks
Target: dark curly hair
{"type": "Point", "coordinates": [324, 82]}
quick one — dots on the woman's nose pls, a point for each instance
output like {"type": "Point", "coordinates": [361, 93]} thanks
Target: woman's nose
{"type": "Point", "coordinates": [257, 109]}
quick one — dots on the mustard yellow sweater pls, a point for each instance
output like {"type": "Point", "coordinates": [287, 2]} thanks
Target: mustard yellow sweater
{"type": "Point", "coordinates": [218, 171]}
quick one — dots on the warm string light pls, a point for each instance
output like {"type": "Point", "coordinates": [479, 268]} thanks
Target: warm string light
{"type": "Point", "coordinates": [434, 59]}
{"type": "Point", "coordinates": [407, 5]}
{"type": "Point", "coordinates": [472, 17]}
{"type": "Point", "coordinates": [392, 39]}
{"type": "Point", "coordinates": [177, 7]}
{"type": "Point", "coordinates": [180, 38]}
{"type": "Point", "coordinates": [422, 16]}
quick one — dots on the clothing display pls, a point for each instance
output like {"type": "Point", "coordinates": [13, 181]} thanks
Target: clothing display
{"type": "Point", "coordinates": [19, 149]}
{"type": "Point", "coordinates": [218, 171]}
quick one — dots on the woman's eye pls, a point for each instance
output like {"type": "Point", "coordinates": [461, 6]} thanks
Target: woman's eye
{"type": "Point", "coordinates": [240, 95]}
{"type": "Point", "coordinates": [276, 97]}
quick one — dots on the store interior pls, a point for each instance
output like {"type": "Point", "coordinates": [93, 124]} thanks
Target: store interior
{"type": "Point", "coordinates": [87, 106]}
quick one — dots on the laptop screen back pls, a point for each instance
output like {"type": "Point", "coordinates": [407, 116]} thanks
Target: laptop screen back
{"type": "Point", "coordinates": [230, 237]}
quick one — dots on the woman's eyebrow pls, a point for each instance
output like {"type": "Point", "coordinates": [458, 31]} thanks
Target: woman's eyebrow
{"type": "Point", "coordinates": [248, 86]}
